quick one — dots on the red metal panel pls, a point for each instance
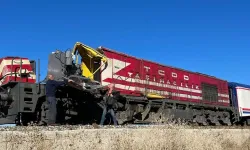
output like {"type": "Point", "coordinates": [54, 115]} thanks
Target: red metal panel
{"type": "Point", "coordinates": [142, 75]}
{"type": "Point", "coordinates": [15, 68]}
{"type": "Point", "coordinates": [18, 79]}
{"type": "Point", "coordinates": [6, 68]}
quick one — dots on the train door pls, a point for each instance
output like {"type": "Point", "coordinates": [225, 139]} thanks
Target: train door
{"type": "Point", "coordinates": [147, 75]}
{"type": "Point", "coordinates": [119, 75]}
{"type": "Point", "coordinates": [183, 91]}
{"type": "Point", "coordinates": [106, 72]}
{"type": "Point", "coordinates": [138, 76]}
{"type": "Point", "coordinates": [187, 79]}
{"type": "Point", "coordinates": [146, 71]}
{"type": "Point", "coordinates": [160, 79]}
{"type": "Point", "coordinates": [220, 90]}
{"type": "Point", "coordinates": [167, 83]}
{"type": "Point", "coordinates": [126, 73]}
{"type": "Point", "coordinates": [193, 94]}
{"type": "Point", "coordinates": [173, 84]}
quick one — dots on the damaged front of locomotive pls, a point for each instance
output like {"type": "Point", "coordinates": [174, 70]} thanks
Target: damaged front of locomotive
{"type": "Point", "coordinates": [80, 101]}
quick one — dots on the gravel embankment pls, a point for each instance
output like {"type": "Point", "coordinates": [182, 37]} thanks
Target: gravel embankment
{"type": "Point", "coordinates": [137, 138]}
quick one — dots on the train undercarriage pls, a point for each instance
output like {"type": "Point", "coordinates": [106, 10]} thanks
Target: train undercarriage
{"type": "Point", "coordinates": [166, 110]}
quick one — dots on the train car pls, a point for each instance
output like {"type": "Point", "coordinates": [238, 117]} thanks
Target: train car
{"type": "Point", "coordinates": [19, 93]}
{"type": "Point", "coordinates": [138, 77]}
{"type": "Point", "coordinates": [16, 69]}
{"type": "Point", "coordinates": [240, 97]}
{"type": "Point", "coordinates": [132, 76]}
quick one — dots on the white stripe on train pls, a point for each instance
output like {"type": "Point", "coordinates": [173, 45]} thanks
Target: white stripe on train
{"type": "Point", "coordinates": [31, 76]}
{"type": "Point", "coordinates": [132, 88]}
{"type": "Point", "coordinates": [15, 62]}
{"type": "Point", "coordinates": [118, 77]}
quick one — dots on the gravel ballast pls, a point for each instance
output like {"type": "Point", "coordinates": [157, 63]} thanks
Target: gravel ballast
{"type": "Point", "coordinates": [122, 138]}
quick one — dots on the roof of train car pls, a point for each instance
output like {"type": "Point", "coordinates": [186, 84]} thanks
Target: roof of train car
{"type": "Point", "coordinates": [114, 51]}
{"type": "Point", "coordinates": [11, 57]}
{"type": "Point", "coordinates": [236, 84]}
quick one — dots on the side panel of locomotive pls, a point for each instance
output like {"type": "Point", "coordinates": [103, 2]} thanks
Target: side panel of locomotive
{"type": "Point", "coordinates": [133, 76]}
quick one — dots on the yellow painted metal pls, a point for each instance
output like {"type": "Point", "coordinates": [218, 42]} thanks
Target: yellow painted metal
{"type": "Point", "coordinates": [89, 55]}
{"type": "Point", "coordinates": [154, 95]}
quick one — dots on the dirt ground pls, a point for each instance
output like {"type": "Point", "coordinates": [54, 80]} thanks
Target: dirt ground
{"type": "Point", "coordinates": [156, 138]}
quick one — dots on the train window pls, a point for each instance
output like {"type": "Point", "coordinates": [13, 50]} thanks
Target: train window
{"type": "Point", "coordinates": [209, 92]}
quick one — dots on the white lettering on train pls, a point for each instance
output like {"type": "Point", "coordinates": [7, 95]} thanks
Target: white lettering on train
{"type": "Point", "coordinates": [130, 74]}
{"type": "Point", "coordinates": [161, 79]}
{"type": "Point", "coordinates": [161, 72]}
{"type": "Point", "coordinates": [174, 75]}
{"type": "Point", "coordinates": [186, 77]}
{"type": "Point", "coordinates": [147, 68]}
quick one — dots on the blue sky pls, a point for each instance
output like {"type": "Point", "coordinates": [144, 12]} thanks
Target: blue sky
{"type": "Point", "coordinates": [211, 37]}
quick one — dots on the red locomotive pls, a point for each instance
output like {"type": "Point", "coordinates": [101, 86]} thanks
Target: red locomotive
{"type": "Point", "coordinates": [132, 75]}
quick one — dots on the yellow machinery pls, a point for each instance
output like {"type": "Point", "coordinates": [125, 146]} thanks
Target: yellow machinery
{"type": "Point", "coordinates": [88, 57]}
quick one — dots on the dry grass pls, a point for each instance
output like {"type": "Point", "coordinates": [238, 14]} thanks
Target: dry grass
{"type": "Point", "coordinates": [164, 137]}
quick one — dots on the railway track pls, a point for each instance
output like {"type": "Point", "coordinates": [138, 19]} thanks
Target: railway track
{"type": "Point", "coordinates": [129, 126]}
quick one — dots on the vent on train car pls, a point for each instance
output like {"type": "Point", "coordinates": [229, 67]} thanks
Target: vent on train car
{"type": "Point", "coordinates": [209, 92]}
